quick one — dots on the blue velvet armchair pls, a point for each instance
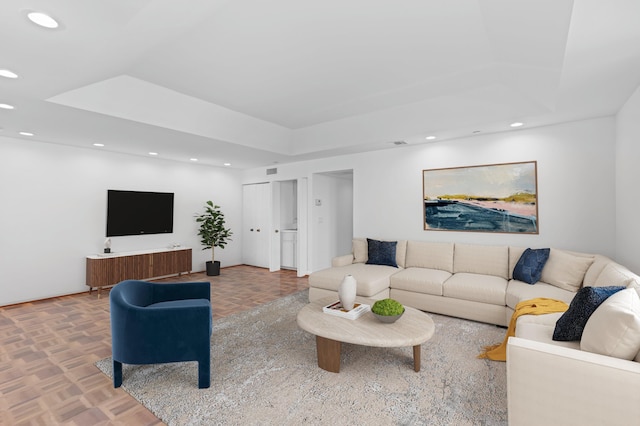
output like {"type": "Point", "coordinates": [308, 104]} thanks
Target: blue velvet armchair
{"type": "Point", "coordinates": [160, 323]}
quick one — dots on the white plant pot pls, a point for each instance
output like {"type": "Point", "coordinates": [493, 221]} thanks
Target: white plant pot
{"type": "Point", "coordinates": [347, 292]}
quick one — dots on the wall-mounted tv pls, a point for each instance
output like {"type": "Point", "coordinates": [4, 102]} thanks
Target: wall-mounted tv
{"type": "Point", "coordinates": [139, 213]}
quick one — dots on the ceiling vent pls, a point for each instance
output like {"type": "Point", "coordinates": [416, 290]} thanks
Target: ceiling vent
{"type": "Point", "coordinates": [273, 171]}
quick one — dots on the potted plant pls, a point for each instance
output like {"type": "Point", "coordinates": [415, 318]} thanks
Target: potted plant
{"type": "Point", "coordinates": [213, 234]}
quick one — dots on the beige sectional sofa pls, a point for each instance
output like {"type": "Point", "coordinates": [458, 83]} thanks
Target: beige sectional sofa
{"type": "Point", "coordinates": [549, 382]}
{"type": "Point", "coordinates": [463, 280]}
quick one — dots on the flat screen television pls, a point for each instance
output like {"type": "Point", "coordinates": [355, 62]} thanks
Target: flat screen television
{"type": "Point", "coordinates": [139, 213]}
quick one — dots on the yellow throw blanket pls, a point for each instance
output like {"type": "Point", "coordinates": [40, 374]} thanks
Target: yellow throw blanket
{"type": "Point", "coordinates": [537, 306]}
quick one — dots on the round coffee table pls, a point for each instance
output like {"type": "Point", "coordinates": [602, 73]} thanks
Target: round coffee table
{"type": "Point", "coordinates": [412, 329]}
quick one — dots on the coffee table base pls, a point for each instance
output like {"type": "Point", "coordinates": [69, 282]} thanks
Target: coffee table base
{"type": "Point", "coordinates": [329, 355]}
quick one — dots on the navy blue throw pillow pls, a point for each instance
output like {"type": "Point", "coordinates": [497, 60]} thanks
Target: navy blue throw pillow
{"type": "Point", "coordinates": [571, 324]}
{"type": "Point", "coordinates": [529, 266]}
{"type": "Point", "coordinates": [382, 252]}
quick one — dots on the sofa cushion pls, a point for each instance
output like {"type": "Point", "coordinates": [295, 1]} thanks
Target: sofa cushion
{"type": "Point", "coordinates": [401, 253]}
{"type": "Point", "coordinates": [565, 270]}
{"type": "Point", "coordinates": [514, 256]}
{"type": "Point", "coordinates": [518, 291]}
{"type": "Point", "coordinates": [484, 260]}
{"type": "Point", "coordinates": [530, 264]}
{"type": "Point", "coordinates": [635, 285]}
{"type": "Point", "coordinates": [571, 324]}
{"type": "Point", "coordinates": [420, 280]}
{"type": "Point", "coordinates": [360, 250]}
{"type": "Point", "coordinates": [614, 274]}
{"type": "Point", "coordinates": [599, 262]}
{"type": "Point", "coordinates": [540, 329]}
{"type": "Point", "coordinates": [423, 254]}
{"type": "Point", "coordinates": [381, 252]}
{"type": "Point", "coordinates": [476, 287]}
{"type": "Point", "coordinates": [370, 279]}
{"type": "Point", "coordinates": [614, 328]}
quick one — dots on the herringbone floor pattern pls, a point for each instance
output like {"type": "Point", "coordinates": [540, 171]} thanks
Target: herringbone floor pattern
{"type": "Point", "coordinates": [48, 349]}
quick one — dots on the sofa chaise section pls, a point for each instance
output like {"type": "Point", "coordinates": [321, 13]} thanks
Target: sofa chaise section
{"type": "Point", "coordinates": [372, 280]}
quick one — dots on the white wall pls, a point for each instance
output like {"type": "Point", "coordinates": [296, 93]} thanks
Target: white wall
{"type": "Point", "coordinates": [576, 181]}
{"type": "Point", "coordinates": [53, 212]}
{"type": "Point", "coordinates": [53, 198]}
{"type": "Point", "coordinates": [331, 221]}
{"type": "Point", "coordinates": [628, 183]}
{"type": "Point", "coordinates": [576, 185]}
{"type": "Point", "coordinates": [344, 208]}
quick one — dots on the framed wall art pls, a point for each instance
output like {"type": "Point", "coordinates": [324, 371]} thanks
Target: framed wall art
{"type": "Point", "coordinates": [488, 198]}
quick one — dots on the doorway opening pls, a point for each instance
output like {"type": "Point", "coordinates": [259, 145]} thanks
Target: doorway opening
{"type": "Point", "coordinates": [331, 217]}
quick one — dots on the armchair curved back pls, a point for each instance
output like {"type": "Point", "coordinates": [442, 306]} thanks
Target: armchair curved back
{"type": "Point", "coordinates": [134, 293]}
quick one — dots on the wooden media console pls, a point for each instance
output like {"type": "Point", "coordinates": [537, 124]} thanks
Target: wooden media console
{"type": "Point", "coordinates": [105, 270]}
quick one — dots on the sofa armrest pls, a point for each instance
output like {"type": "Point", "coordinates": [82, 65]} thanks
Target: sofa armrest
{"type": "Point", "coordinates": [344, 260]}
{"type": "Point", "coordinates": [549, 384]}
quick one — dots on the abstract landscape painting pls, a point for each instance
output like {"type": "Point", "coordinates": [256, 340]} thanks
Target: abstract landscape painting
{"type": "Point", "coordinates": [488, 198]}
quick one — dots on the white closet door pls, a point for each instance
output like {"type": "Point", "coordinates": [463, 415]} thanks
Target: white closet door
{"type": "Point", "coordinates": [274, 228]}
{"type": "Point", "coordinates": [256, 215]}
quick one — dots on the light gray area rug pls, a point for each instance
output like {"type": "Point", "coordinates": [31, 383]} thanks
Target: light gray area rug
{"type": "Point", "coordinates": [264, 371]}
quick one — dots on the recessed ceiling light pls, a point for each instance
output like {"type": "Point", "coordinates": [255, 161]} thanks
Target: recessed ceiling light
{"type": "Point", "coordinates": [6, 106]}
{"type": "Point", "coordinates": [98, 144]}
{"type": "Point", "coordinates": [227, 164]}
{"type": "Point", "coordinates": [153, 153]}
{"type": "Point", "coordinates": [193, 159]}
{"type": "Point", "coordinates": [42, 19]}
{"type": "Point", "coordinates": [26, 133]}
{"type": "Point", "coordinates": [430, 138]}
{"type": "Point", "coordinates": [517, 124]}
{"type": "Point", "coordinates": [8, 74]}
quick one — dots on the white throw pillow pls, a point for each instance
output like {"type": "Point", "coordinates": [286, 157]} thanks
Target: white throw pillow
{"type": "Point", "coordinates": [565, 270]}
{"type": "Point", "coordinates": [614, 328]}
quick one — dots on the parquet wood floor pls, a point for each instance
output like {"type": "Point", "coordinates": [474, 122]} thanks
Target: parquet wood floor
{"type": "Point", "coordinates": [48, 349]}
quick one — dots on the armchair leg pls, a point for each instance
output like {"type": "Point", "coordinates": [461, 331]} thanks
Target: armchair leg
{"type": "Point", "coordinates": [204, 373]}
{"type": "Point", "coordinates": [117, 374]}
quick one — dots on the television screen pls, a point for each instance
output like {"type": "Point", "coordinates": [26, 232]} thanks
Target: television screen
{"type": "Point", "coordinates": [139, 213]}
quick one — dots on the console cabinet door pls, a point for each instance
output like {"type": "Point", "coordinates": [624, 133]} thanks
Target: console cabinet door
{"type": "Point", "coordinates": [163, 263]}
{"type": "Point", "coordinates": [107, 271]}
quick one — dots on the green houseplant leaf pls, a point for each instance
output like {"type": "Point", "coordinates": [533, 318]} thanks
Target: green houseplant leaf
{"type": "Point", "coordinates": [212, 229]}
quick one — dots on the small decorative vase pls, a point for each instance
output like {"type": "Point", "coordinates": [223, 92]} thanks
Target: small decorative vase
{"type": "Point", "coordinates": [347, 292]}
